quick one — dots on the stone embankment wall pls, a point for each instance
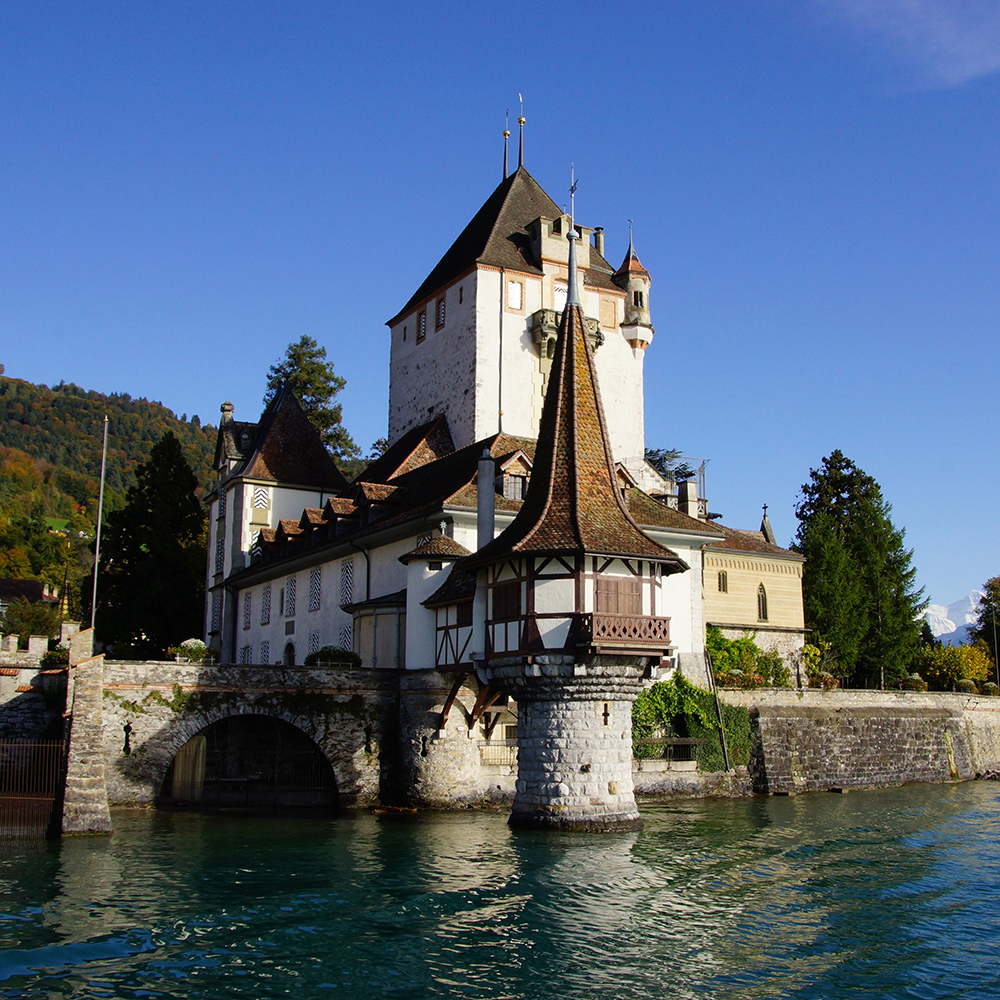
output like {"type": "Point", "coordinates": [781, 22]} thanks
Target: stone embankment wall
{"type": "Point", "coordinates": [811, 740]}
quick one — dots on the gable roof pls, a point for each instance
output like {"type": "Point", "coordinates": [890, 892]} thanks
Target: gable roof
{"type": "Point", "coordinates": [498, 236]}
{"type": "Point", "coordinates": [283, 447]}
{"type": "Point", "coordinates": [416, 447]}
{"type": "Point", "coordinates": [574, 503]}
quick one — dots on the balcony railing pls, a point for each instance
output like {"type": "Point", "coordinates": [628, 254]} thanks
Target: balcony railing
{"type": "Point", "coordinates": [629, 630]}
{"type": "Point", "coordinates": [501, 753]}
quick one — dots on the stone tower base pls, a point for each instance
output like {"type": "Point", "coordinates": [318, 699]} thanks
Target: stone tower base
{"type": "Point", "coordinates": [574, 740]}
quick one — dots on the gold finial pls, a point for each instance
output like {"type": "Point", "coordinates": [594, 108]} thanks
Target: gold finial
{"type": "Point", "coordinates": [520, 122]}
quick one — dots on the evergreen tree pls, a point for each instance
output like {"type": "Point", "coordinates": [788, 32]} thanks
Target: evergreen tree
{"type": "Point", "coordinates": [670, 464]}
{"type": "Point", "coordinates": [987, 628]}
{"type": "Point", "coordinates": [858, 585]}
{"type": "Point", "coordinates": [151, 581]}
{"type": "Point", "coordinates": [305, 370]}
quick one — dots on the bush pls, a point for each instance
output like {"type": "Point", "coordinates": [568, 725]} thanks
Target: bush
{"type": "Point", "coordinates": [679, 707]}
{"type": "Point", "coordinates": [966, 686]}
{"type": "Point", "coordinates": [915, 683]}
{"type": "Point", "coordinates": [741, 663]}
{"type": "Point", "coordinates": [24, 618]}
{"type": "Point", "coordinates": [333, 656]}
{"type": "Point", "coordinates": [944, 666]}
{"type": "Point", "coordinates": [823, 679]}
{"type": "Point", "coordinates": [990, 689]}
{"type": "Point", "coordinates": [58, 657]}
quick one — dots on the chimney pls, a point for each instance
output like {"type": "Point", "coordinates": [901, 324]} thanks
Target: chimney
{"type": "Point", "coordinates": [599, 240]}
{"type": "Point", "coordinates": [486, 499]}
{"type": "Point", "coordinates": [687, 497]}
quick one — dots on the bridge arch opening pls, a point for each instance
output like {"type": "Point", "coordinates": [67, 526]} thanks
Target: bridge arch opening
{"type": "Point", "coordinates": [249, 762]}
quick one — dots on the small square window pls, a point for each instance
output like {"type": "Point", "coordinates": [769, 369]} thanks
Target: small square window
{"type": "Point", "coordinates": [439, 314]}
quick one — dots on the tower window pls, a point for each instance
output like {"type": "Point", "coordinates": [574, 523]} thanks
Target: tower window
{"type": "Point", "coordinates": [460, 297]}
{"type": "Point", "coordinates": [421, 325]}
{"type": "Point", "coordinates": [637, 299]}
{"type": "Point", "coordinates": [761, 604]}
{"type": "Point", "coordinates": [515, 295]}
{"type": "Point", "coordinates": [404, 331]}
{"type": "Point", "coordinates": [439, 314]}
{"type": "Point", "coordinates": [517, 487]}
{"type": "Point", "coordinates": [723, 582]}
{"type": "Point", "coordinates": [559, 295]}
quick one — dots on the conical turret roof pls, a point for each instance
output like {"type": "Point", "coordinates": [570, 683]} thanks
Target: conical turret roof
{"type": "Point", "coordinates": [573, 502]}
{"type": "Point", "coordinates": [631, 264]}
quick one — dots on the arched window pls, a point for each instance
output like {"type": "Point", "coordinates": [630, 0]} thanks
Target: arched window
{"type": "Point", "coordinates": [723, 582]}
{"type": "Point", "coordinates": [761, 604]}
{"type": "Point", "coordinates": [289, 655]}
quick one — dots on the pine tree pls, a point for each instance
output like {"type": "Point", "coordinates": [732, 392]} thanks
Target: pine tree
{"type": "Point", "coordinates": [987, 628]}
{"type": "Point", "coordinates": [151, 580]}
{"type": "Point", "coordinates": [305, 370]}
{"type": "Point", "coordinates": [858, 585]}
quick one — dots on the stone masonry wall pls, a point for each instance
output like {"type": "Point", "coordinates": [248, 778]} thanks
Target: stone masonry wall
{"type": "Point", "coordinates": [814, 740]}
{"type": "Point", "coordinates": [343, 711]}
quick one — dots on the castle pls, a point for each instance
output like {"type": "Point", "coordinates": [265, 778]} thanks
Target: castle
{"type": "Point", "coordinates": [512, 521]}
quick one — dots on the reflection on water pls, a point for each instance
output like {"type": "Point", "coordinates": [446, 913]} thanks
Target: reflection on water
{"type": "Point", "coordinates": [887, 894]}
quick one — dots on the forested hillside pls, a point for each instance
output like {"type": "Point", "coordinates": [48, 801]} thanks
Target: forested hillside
{"type": "Point", "coordinates": [50, 468]}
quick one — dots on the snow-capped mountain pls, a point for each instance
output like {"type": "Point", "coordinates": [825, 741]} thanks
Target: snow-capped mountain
{"type": "Point", "coordinates": [950, 622]}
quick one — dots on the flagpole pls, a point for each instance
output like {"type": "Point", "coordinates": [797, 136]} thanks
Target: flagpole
{"type": "Point", "coordinates": [100, 513]}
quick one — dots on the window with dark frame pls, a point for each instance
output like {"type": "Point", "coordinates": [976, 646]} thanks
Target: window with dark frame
{"type": "Point", "coordinates": [761, 604]}
{"type": "Point", "coordinates": [507, 601]}
{"type": "Point", "coordinates": [421, 325]}
{"type": "Point", "coordinates": [439, 314]}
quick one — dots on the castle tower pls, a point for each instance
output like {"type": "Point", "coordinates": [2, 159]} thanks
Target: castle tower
{"type": "Point", "coordinates": [634, 279]}
{"type": "Point", "coordinates": [574, 607]}
{"type": "Point", "coordinates": [475, 342]}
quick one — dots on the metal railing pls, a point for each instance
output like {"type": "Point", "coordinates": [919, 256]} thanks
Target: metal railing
{"type": "Point", "coordinates": [31, 778]}
{"type": "Point", "coordinates": [498, 752]}
{"type": "Point", "coordinates": [674, 748]}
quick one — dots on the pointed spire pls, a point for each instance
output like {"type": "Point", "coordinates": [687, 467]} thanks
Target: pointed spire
{"type": "Point", "coordinates": [506, 137]}
{"type": "Point", "coordinates": [573, 291]}
{"type": "Point", "coordinates": [765, 528]}
{"type": "Point", "coordinates": [574, 503]}
{"type": "Point", "coordinates": [520, 145]}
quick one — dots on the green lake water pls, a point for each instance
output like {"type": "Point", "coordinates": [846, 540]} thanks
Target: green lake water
{"type": "Point", "coordinates": [878, 894]}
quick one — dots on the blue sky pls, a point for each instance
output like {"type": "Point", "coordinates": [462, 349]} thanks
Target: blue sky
{"type": "Point", "coordinates": [187, 187]}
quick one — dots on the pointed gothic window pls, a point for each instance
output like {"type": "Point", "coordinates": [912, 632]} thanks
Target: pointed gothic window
{"type": "Point", "coordinates": [761, 604]}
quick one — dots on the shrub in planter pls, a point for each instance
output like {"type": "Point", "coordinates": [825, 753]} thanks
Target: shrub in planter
{"type": "Point", "coordinates": [190, 649]}
{"type": "Point", "coordinates": [333, 656]}
{"type": "Point", "coordinates": [915, 683]}
{"type": "Point", "coordinates": [823, 679]}
{"type": "Point", "coordinates": [990, 689]}
{"type": "Point", "coordinates": [58, 657]}
{"type": "Point", "coordinates": [966, 685]}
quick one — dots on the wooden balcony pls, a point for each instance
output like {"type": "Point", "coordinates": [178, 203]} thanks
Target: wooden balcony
{"type": "Point", "coordinates": [608, 632]}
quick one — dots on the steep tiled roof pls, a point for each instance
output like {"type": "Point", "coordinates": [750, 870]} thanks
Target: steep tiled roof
{"type": "Point", "coordinates": [750, 541]}
{"type": "Point", "coordinates": [439, 547]}
{"type": "Point", "coordinates": [284, 447]}
{"type": "Point", "coordinates": [498, 236]}
{"type": "Point", "coordinates": [573, 502]}
{"type": "Point", "coordinates": [416, 447]}
{"type": "Point", "coordinates": [653, 514]}
{"type": "Point", "coordinates": [631, 264]}
{"type": "Point", "coordinates": [458, 586]}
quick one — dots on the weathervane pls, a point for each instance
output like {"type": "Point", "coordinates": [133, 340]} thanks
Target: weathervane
{"type": "Point", "coordinates": [520, 122]}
